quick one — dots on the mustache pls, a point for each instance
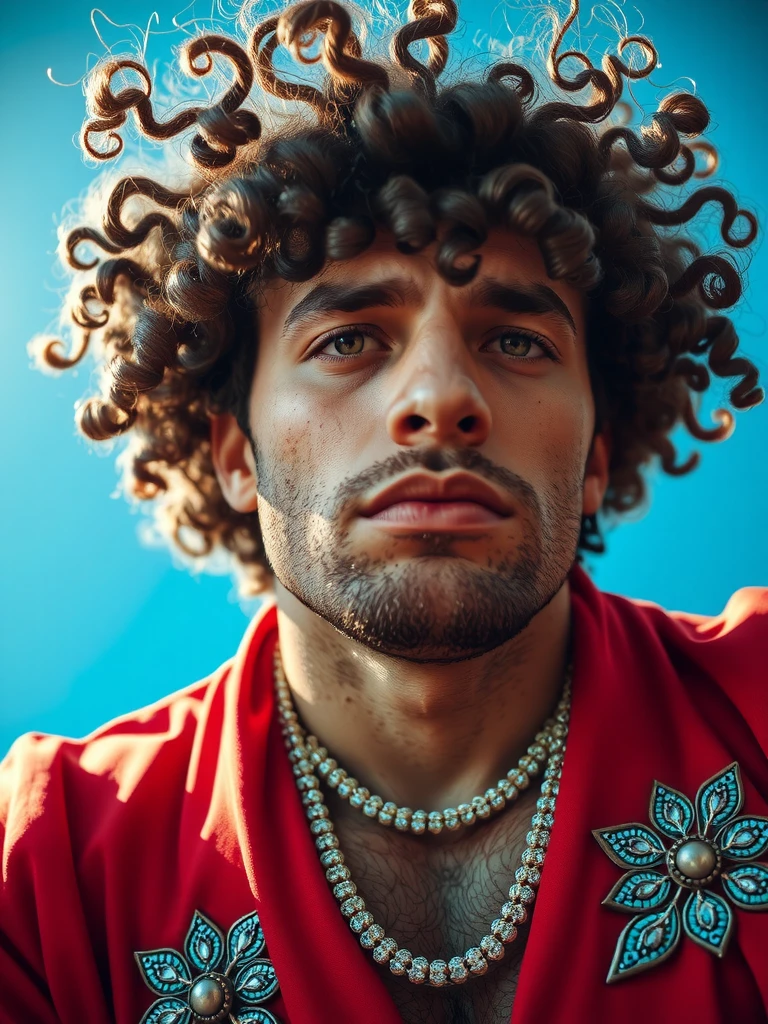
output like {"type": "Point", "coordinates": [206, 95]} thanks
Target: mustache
{"type": "Point", "coordinates": [436, 460]}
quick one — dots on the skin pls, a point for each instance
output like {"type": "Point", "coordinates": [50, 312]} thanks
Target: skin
{"type": "Point", "coordinates": [401, 650]}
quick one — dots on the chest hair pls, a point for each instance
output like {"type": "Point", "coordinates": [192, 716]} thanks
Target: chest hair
{"type": "Point", "coordinates": [437, 896]}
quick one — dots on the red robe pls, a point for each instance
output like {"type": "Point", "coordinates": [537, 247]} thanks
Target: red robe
{"type": "Point", "coordinates": [112, 842]}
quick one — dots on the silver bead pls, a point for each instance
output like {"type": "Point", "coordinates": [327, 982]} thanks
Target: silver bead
{"type": "Point", "coordinates": [326, 767]}
{"type": "Point", "coordinates": [503, 930]}
{"type": "Point", "coordinates": [316, 811]}
{"type": "Point", "coordinates": [337, 873]}
{"type": "Point", "coordinates": [354, 905]}
{"type": "Point", "coordinates": [401, 961]}
{"type": "Point", "coordinates": [528, 764]}
{"type": "Point", "coordinates": [481, 807]}
{"type": "Point", "coordinates": [475, 961]}
{"type": "Point", "coordinates": [419, 822]}
{"type": "Point", "coordinates": [514, 912]}
{"type": "Point", "coordinates": [314, 796]}
{"type": "Point", "coordinates": [457, 970]}
{"type": "Point", "coordinates": [435, 823]}
{"type": "Point", "coordinates": [403, 819]}
{"type": "Point", "coordinates": [438, 973]}
{"type": "Point", "coordinates": [385, 950]}
{"type": "Point", "coordinates": [359, 797]}
{"type": "Point", "coordinates": [372, 936]}
{"type": "Point", "coordinates": [538, 837]}
{"type": "Point", "coordinates": [327, 842]}
{"type": "Point", "coordinates": [537, 751]}
{"type": "Point", "coordinates": [387, 813]}
{"type": "Point", "coordinates": [532, 858]}
{"type": "Point", "coordinates": [306, 782]}
{"type": "Point", "coordinates": [344, 890]}
{"type": "Point", "coordinates": [361, 921]}
{"type": "Point", "coordinates": [491, 947]}
{"type": "Point", "coordinates": [519, 778]}
{"type": "Point", "coordinates": [466, 814]}
{"type": "Point", "coordinates": [545, 804]}
{"type": "Point", "coordinates": [528, 876]}
{"type": "Point", "coordinates": [451, 819]}
{"type": "Point", "coordinates": [332, 858]}
{"type": "Point", "coordinates": [498, 801]}
{"type": "Point", "coordinates": [347, 786]}
{"type": "Point", "coordinates": [336, 777]}
{"type": "Point", "coordinates": [319, 826]}
{"type": "Point", "coordinates": [521, 894]}
{"type": "Point", "coordinates": [419, 970]}
{"type": "Point", "coordinates": [372, 806]}
{"type": "Point", "coordinates": [540, 820]}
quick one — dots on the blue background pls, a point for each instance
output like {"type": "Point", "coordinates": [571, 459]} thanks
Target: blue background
{"type": "Point", "coordinates": [93, 623]}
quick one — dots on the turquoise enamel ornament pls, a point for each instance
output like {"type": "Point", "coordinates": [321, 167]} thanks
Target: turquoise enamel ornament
{"type": "Point", "coordinates": [215, 979]}
{"type": "Point", "coordinates": [710, 845]}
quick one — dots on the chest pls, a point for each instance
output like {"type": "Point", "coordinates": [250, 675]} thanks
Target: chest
{"type": "Point", "coordinates": [438, 899]}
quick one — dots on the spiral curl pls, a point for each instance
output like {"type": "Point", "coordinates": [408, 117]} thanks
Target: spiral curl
{"type": "Point", "coordinates": [168, 296]}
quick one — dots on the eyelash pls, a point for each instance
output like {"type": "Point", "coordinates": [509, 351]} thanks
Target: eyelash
{"type": "Point", "coordinates": [543, 343]}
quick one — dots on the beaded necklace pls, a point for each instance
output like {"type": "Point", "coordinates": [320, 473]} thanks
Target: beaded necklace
{"type": "Point", "coordinates": [308, 757]}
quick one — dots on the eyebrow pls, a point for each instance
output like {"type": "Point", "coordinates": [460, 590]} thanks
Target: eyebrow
{"type": "Point", "coordinates": [515, 297]}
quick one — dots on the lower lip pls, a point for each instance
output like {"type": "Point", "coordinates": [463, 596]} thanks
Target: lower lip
{"type": "Point", "coordinates": [436, 516]}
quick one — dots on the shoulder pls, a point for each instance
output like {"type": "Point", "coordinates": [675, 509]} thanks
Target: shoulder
{"type": "Point", "coordinates": [49, 776]}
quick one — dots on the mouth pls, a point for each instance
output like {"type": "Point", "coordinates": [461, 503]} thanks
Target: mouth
{"type": "Point", "coordinates": [421, 516]}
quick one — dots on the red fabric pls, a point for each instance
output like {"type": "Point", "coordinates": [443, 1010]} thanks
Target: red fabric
{"type": "Point", "coordinates": [112, 842]}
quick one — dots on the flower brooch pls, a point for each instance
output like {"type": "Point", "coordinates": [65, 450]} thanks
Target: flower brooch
{"type": "Point", "coordinates": [702, 841]}
{"type": "Point", "coordinates": [216, 980]}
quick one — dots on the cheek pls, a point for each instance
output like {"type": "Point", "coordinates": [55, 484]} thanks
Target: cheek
{"type": "Point", "coordinates": [297, 438]}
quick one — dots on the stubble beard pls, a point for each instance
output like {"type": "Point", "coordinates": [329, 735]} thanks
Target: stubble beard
{"type": "Point", "coordinates": [433, 607]}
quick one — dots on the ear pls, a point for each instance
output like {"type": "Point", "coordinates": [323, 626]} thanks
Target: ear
{"type": "Point", "coordinates": [233, 463]}
{"type": "Point", "coordinates": [596, 474]}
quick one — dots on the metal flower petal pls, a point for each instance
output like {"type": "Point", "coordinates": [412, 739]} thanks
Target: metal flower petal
{"type": "Point", "coordinates": [744, 838]}
{"type": "Point", "coordinates": [245, 939]}
{"type": "Point", "coordinates": [708, 920]}
{"type": "Point", "coordinates": [747, 886]}
{"type": "Point", "coordinates": [256, 982]}
{"type": "Point", "coordinates": [639, 890]}
{"type": "Point", "coordinates": [167, 1011]}
{"type": "Point", "coordinates": [164, 971]}
{"type": "Point", "coordinates": [670, 811]}
{"type": "Point", "coordinates": [255, 1016]}
{"type": "Point", "coordinates": [719, 799]}
{"type": "Point", "coordinates": [204, 944]}
{"type": "Point", "coordinates": [631, 846]}
{"type": "Point", "coordinates": [645, 942]}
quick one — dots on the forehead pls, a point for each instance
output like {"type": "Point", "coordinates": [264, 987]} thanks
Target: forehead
{"type": "Point", "coordinates": [505, 257]}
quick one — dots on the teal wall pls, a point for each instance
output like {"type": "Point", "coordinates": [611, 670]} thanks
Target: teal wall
{"type": "Point", "coordinates": [93, 624]}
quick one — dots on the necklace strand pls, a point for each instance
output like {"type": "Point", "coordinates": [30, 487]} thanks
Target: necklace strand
{"type": "Point", "coordinates": [372, 936]}
{"type": "Point", "coordinates": [549, 740]}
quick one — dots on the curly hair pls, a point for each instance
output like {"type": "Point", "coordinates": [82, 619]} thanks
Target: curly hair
{"type": "Point", "coordinates": [380, 145]}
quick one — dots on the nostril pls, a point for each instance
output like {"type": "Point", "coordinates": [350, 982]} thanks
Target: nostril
{"type": "Point", "coordinates": [467, 424]}
{"type": "Point", "coordinates": [415, 422]}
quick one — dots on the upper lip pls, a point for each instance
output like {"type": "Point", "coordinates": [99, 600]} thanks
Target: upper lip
{"type": "Point", "coordinates": [427, 487]}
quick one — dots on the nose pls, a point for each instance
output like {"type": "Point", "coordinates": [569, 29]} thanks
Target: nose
{"type": "Point", "coordinates": [437, 400]}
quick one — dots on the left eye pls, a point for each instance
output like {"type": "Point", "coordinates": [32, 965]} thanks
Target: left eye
{"type": "Point", "coordinates": [347, 343]}
{"type": "Point", "coordinates": [519, 345]}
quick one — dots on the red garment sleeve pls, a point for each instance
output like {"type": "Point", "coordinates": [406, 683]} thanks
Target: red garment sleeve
{"type": "Point", "coordinates": [39, 897]}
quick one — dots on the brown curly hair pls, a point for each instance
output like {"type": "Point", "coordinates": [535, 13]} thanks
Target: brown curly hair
{"type": "Point", "coordinates": [378, 144]}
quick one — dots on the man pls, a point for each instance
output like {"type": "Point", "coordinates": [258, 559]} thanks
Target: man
{"type": "Point", "coordinates": [396, 357]}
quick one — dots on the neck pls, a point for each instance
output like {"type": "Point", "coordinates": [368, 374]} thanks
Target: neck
{"type": "Point", "coordinates": [423, 735]}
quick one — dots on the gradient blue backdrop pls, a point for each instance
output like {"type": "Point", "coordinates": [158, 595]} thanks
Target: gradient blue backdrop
{"type": "Point", "coordinates": [93, 624]}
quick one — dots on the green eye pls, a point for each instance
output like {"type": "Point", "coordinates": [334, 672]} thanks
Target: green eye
{"type": "Point", "coordinates": [350, 343]}
{"type": "Point", "coordinates": [515, 344]}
